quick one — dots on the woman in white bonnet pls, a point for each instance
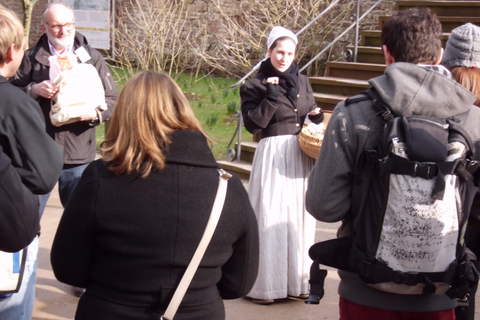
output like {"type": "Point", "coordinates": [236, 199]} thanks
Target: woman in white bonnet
{"type": "Point", "coordinates": [462, 57]}
{"type": "Point", "coordinates": [274, 105]}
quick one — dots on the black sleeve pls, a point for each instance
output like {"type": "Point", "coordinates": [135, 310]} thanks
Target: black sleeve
{"type": "Point", "coordinates": [36, 156]}
{"type": "Point", "coordinates": [72, 249]}
{"type": "Point", "coordinates": [240, 271]}
{"type": "Point", "coordinates": [111, 92]}
{"type": "Point", "coordinates": [18, 209]}
{"type": "Point", "coordinates": [257, 110]}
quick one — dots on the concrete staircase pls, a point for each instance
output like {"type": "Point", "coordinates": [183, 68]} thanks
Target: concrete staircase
{"type": "Point", "coordinates": [345, 79]}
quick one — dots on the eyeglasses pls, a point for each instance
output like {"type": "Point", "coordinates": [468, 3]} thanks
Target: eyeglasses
{"type": "Point", "coordinates": [58, 27]}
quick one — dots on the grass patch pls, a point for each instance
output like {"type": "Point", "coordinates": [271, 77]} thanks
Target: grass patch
{"type": "Point", "coordinates": [214, 104]}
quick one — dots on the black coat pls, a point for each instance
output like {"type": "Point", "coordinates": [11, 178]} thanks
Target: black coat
{"type": "Point", "coordinates": [18, 207]}
{"type": "Point", "coordinates": [36, 157]}
{"type": "Point", "coordinates": [128, 240]}
{"type": "Point", "coordinates": [273, 119]}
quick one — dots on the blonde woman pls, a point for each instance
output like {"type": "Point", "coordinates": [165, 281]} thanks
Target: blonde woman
{"type": "Point", "coordinates": [137, 216]}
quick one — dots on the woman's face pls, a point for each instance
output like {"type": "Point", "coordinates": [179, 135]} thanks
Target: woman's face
{"type": "Point", "coordinates": [283, 54]}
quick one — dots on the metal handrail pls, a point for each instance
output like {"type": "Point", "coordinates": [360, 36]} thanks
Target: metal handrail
{"type": "Point", "coordinates": [342, 34]}
{"type": "Point", "coordinates": [241, 81]}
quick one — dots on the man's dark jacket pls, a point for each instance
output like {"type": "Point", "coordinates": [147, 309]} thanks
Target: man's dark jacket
{"type": "Point", "coordinates": [37, 159]}
{"type": "Point", "coordinates": [77, 139]}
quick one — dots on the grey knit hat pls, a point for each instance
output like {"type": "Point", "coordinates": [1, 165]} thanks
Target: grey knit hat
{"type": "Point", "coordinates": [463, 47]}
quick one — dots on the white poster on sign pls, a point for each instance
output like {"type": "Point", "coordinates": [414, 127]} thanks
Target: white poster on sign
{"type": "Point", "coordinates": [92, 19]}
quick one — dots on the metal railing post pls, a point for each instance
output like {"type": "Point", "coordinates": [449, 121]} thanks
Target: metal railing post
{"type": "Point", "coordinates": [357, 27]}
{"type": "Point", "coordinates": [239, 143]}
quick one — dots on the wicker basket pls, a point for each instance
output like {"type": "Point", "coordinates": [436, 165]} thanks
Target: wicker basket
{"type": "Point", "coordinates": [311, 143]}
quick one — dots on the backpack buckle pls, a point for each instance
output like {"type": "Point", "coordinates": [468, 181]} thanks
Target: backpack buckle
{"type": "Point", "coordinates": [387, 115]}
{"type": "Point", "coordinates": [426, 170]}
{"type": "Point", "coordinates": [409, 279]}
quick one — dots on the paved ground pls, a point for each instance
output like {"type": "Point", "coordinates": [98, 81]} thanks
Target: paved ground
{"type": "Point", "coordinates": [54, 300]}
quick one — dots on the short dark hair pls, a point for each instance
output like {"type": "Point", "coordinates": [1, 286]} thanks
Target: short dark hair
{"type": "Point", "coordinates": [413, 35]}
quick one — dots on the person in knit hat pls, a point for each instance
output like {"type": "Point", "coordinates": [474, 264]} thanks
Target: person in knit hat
{"type": "Point", "coordinates": [274, 105]}
{"type": "Point", "coordinates": [462, 57]}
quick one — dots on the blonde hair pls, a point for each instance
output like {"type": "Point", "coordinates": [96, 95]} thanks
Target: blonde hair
{"type": "Point", "coordinates": [11, 32]}
{"type": "Point", "coordinates": [149, 108]}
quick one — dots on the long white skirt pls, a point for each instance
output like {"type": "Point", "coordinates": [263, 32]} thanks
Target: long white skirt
{"type": "Point", "coordinates": [277, 187]}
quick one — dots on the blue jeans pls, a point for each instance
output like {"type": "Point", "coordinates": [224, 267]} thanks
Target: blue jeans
{"type": "Point", "coordinates": [20, 305]}
{"type": "Point", "coordinates": [66, 184]}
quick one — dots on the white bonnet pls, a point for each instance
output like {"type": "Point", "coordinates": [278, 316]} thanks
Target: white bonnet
{"type": "Point", "coordinates": [278, 32]}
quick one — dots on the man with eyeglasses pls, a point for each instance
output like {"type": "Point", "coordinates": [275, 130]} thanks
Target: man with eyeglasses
{"type": "Point", "coordinates": [76, 139]}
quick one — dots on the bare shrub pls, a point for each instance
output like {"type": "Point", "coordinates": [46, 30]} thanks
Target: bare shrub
{"type": "Point", "coordinates": [27, 17]}
{"type": "Point", "coordinates": [170, 36]}
{"type": "Point", "coordinates": [153, 35]}
{"type": "Point", "coordinates": [242, 42]}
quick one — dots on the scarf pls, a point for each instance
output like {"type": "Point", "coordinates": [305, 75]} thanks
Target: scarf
{"type": "Point", "coordinates": [288, 80]}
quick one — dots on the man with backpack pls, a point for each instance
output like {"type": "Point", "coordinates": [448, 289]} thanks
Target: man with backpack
{"type": "Point", "coordinates": [397, 168]}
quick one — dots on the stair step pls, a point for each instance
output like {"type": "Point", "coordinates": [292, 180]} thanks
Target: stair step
{"type": "Point", "coordinates": [369, 54]}
{"type": "Point", "coordinates": [328, 101]}
{"type": "Point", "coordinates": [247, 150]}
{"type": "Point", "coordinates": [352, 70]}
{"type": "Point", "coordinates": [242, 169]}
{"type": "Point", "coordinates": [444, 8]}
{"type": "Point", "coordinates": [448, 23]}
{"type": "Point", "coordinates": [338, 86]}
{"type": "Point", "coordinates": [373, 38]}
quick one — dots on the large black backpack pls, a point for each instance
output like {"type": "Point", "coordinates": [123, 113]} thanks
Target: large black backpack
{"type": "Point", "coordinates": [411, 200]}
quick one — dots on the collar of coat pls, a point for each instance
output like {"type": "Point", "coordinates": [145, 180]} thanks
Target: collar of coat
{"type": "Point", "coordinates": [190, 148]}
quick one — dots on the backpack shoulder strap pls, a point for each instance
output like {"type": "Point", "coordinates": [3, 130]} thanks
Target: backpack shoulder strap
{"type": "Point", "coordinates": [455, 125]}
{"type": "Point", "coordinates": [378, 103]}
{"type": "Point", "coordinates": [365, 159]}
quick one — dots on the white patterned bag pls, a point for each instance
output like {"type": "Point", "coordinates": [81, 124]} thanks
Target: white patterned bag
{"type": "Point", "coordinates": [80, 92]}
